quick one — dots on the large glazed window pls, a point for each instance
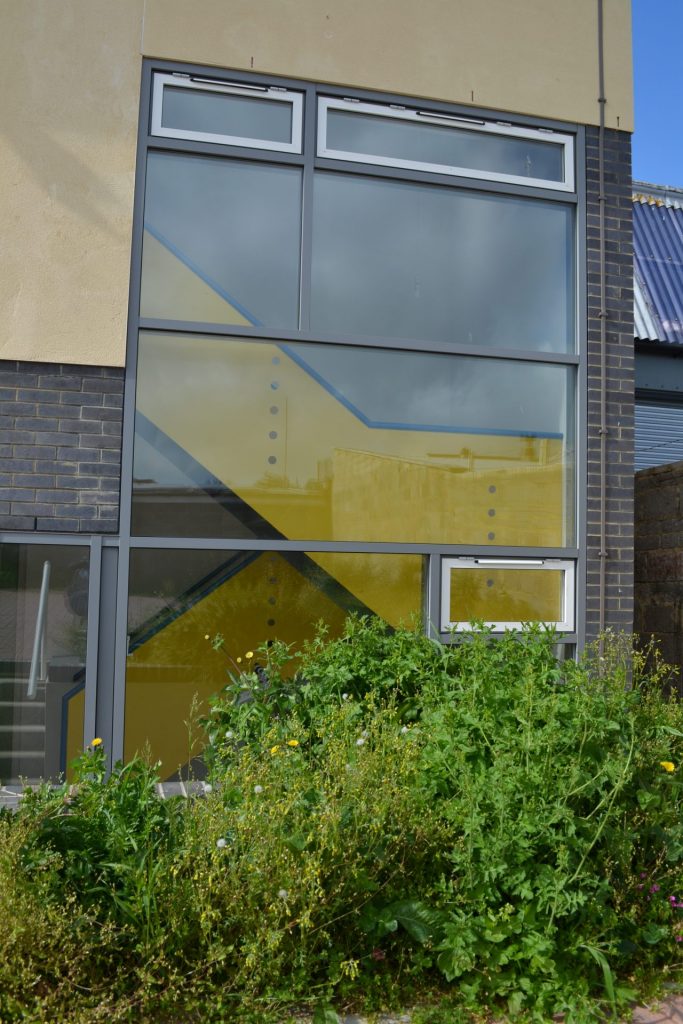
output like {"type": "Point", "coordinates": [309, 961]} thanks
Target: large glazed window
{"type": "Point", "coordinates": [242, 438]}
{"type": "Point", "coordinates": [356, 347]}
{"type": "Point", "coordinates": [43, 632]}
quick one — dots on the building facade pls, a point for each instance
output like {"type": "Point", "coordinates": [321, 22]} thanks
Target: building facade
{"type": "Point", "coordinates": [308, 310]}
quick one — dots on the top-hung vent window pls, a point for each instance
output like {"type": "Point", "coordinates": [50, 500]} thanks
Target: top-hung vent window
{"type": "Point", "coordinates": [210, 110]}
{"type": "Point", "coordinates": [505, 593]}
{"type": "Point", "coordinates": [423, 140]}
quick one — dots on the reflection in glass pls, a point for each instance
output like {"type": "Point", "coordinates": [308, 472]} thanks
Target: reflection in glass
{"type": "Point", "coordinates": [400, 260]}
{"type": "Point", "coordinates": [222, 113]}
{"type": "Point", "coordinates": [177, 598]}
{"type": "Point", "coordinates": [221, 242]}
{"type": "Point", "coordinates": [507, 595]}
{"type": "Point", "coordinates": [325, 442]}
{"type": "Point", "coordinates": [41, 734]}
{"type": "Point", "coordinates": [404, 141]}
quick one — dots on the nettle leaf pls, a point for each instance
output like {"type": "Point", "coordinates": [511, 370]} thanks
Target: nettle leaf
{"type": "Point", "coordinates": [325, 1015]}
{"type": "Point", "coordinates": [420, 921]}
{"type": "Point", "coordinates": [654, 933]}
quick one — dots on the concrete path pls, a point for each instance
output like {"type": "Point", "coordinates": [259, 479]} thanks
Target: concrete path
{"type": "Point", "coordinates": [670, 1012]}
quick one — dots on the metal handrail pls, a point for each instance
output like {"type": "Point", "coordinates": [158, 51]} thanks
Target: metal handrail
{"type": "Point", "coordinates": [38, 659]}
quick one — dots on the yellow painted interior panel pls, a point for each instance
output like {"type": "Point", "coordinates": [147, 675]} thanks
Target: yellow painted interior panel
{"type": "Point", "coordinates": [344, 480]}
{"type": "Point", "coordinates": [74, 733]}
{"type": "Point", "coordinates": [390, 585]}
{"type": "Point", "coordinates": [506, 595]}
{"type": "Point", "coordinates": [171, 291]}
{"type": "Point", "coordinates": [178, 664]}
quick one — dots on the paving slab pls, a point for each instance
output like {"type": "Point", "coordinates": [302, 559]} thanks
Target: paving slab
{"type": "Point", "coordinates": [669, 1012]}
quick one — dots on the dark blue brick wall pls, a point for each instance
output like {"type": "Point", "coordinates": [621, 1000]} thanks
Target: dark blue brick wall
{"type": "Point", "coordinates": [60, 447]}
{"type": "Point", "coordinates": [620, 380]}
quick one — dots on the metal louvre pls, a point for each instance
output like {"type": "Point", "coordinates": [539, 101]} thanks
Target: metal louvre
{"type": "Point", "coordinates": [659, 434]}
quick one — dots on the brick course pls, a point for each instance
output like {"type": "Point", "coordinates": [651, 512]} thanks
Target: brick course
{"type": "Point", "coordinates": [620, 381]}
{"type": "Point", "coordinates": [60, 447]}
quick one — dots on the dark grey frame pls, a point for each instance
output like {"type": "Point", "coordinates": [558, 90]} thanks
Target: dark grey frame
{"type": "Point", "coordinates": [110, 555]}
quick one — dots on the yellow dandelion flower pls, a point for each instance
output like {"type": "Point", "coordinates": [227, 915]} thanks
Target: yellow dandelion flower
{"type": "Point", "coordinates": [249, 654]}
{"type": "Point", "coordinates": [668, 766]}
{"type": "Point", "coordinates": [292, 743]}
{"type": "Point", "coordinates": [206, 636]}
{"type": "Point", "coordinates": [96, 742]}
{"type": "Point", "coordinates": [275, 749]}
{"type": "Point", "coordinates": [239, 661]}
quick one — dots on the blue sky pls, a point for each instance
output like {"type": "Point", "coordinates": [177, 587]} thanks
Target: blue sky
{"type": "Point", "coordinates": [658, 84]}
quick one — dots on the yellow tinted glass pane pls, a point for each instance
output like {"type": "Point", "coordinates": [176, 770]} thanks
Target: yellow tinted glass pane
{"type": "Point", "coordinates": [322, 442]}
{"type": "Point", "coordinates": [180, 597]}
{"type": "Point", "coordinates": [507, 595]}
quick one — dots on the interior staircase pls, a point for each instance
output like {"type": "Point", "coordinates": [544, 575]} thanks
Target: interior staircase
{"type": "Point", "coordinates": [22, 730]}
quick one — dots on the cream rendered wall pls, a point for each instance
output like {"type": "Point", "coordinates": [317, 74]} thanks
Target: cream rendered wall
{"type": "Point", "coordinates": [69, 80]}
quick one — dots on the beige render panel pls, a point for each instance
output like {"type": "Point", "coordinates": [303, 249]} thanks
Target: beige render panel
{"type": "Point", "coordinates": [70, 73]}
{"type": "Point", "coordinates": [534, 57]}
{"type": "Point", "coordinates": [70, 86]}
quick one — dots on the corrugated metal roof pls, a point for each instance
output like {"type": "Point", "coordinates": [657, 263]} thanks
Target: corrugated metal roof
{"type": "Point", "coordinates": [658, 263]}
{"type": "Point", "coordinates": [658, 434]}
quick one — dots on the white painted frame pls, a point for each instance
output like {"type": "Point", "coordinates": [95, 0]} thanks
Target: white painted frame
{"type": "Point", "coordinates": [272, 93]}
{"type": "Point", "coordinates": [567, 566]}
{"type": "Point", "coordinates": [474, 124]}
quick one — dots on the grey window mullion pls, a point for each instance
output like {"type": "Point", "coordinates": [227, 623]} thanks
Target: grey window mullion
{"type": "Point", "coordinates": [310, 114]}
{"type": "Point", "coordinates": [92, 641]}
{"type": "Point", "coordinates": [410, 176]}
{"type": "Point", "coordinates": [230, 331]}
{"type": "Point", "coordinates": [359, 547]}
{"type": "Point", "coordinates": [120, 653]}
{"type": "Point", "coordinates": [156, 143]}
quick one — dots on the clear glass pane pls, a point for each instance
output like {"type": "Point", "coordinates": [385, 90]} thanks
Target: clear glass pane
{"type": "Point", "coordinates": [40, 734]}
{"type": "Point", "coordinates": [507, 595]}
{"type": "Point", "coordinates": [326, 442]}
{"type": "Point", "coordinates": [177, 598]}
{"type": "Point", "coordinates": [450, 146]}
{"type": "Point", "coordinates": [221, 242]}
{"type": "Point", "coordinates": [220, 113]}
{"type": "Point", "coordinates": [399, 260]}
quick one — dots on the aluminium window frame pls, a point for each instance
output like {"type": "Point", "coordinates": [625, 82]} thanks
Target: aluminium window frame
{"type": "Point", "coordinates": [564, 565]}
{"type": "Point", "coordinates": [272, 93]}
{"type": "Point", "coordinates": [413, 115]}
{"type": "Point", "coordinates": [309, 161]}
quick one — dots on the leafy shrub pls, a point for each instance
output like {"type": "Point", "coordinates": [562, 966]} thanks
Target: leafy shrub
{"type": "Point", "coordinates": [388, 816]}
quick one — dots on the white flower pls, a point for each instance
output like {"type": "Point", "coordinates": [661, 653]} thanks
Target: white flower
{"type": "Point", "coordinates": [229, 734]}
{"type": "Point", "coordinates": [221, 843]}
{"type": "Point", "coordinates": [360, 741]}
{"type": "Point", "coordinates": [404, 730]}
{"type": "Point", "coordinates": [258, 789]}
{"type": "Point", "coordinates": [208, 788]}
{"type": "Point", "coordinates": [364, 734]}
{"type": "Point", "coordinates": [347, 767]}
{"type": "Point", "coordinates": [345, 696]}
{"type": "Point", "coordinates": [283, 894]}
